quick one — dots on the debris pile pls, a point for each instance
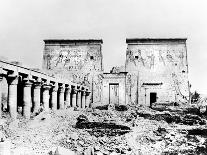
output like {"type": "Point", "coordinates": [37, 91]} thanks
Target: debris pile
{"type": "Point", "coordinates": [129, 130]}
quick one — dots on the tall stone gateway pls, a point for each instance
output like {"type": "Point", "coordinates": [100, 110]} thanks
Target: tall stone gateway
{"type": "Point", "coordinates": [77, 60]}
{"type": "Point", "coordinates": [157, 71]}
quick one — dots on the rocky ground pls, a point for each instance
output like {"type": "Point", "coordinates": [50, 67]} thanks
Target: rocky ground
{"type": "Point", "coordinates": [129, 130]}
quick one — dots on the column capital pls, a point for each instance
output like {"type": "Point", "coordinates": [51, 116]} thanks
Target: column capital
{"type": "Point", "coordinates": [55, 87]}
{"type": "Point", "coordinates": [27, 82]}
{"type": "Point", "coordinates": [1, 77]}
{"type": "Point", "coordinates": [46, 86]}
{"type": "Point", "coordinates": [74, 91]}
{"type": "Point", "coordinates": [68, 87]}
{"type": "Point", "coordinates": [61, 88]}
{"type": "Point", "coordinates": [79, 89]}
{"type": "Point", "coordinates": [84, 93]}
{"type": "Point", "coordinates": [1, 74]}
{"type": "Point", "coordinates": [38, 82]}
{"type": "Point", "coordinates": [88, 93]}
{"type": "Point", "coordinates": [13, 78]}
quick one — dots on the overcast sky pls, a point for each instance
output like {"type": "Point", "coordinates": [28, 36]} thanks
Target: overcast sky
{"type": "Point", "coordinates": [24, 24]}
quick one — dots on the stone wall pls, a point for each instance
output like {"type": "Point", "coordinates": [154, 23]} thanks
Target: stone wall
{"type": "Point", "coordinates": [77, 60]}
{"type": "Point", "coordinates": [157, 65]}
{"type": "Point", "coordinates": [114, 78]}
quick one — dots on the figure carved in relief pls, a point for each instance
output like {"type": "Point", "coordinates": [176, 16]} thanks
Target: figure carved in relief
{"type": "Point", "coordinates": [67, 59]}
{"type": "Point", "coordinates": [152, 61]}
{"type": "Point", "coordinates": [49, 58]}
{"type": "Point", "coordinates": [169, 56]}
{"type": "Point", "coordinates": [140, 58]}
{"type": "Point", "coordinates": [74, 76]}
{"type": "Point", "coordinates": [86, 80]}
{"type": "Point", "coordinates": [129, 81]}
{"type": "Point", "coordinates": [137, 58]}
{"type": "Point", "coordinates": [130, 57]}
{"type": "Point", "coordinates": [181, 57]}
{"type": "Point", "coordinates": [177, 85]}
{"type": "Point", "coordinates": [161, 57]}
{"type": "Point", "coordinates": [59, 58]}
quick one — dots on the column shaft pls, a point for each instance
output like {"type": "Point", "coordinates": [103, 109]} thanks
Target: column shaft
{"type": "Point", "coordinates": [61, 97]}
{"type": "Point", "coordinates": [36, 97]}
{"type": "Point", "coordinates": [88, 100]}
{"type": "Point", "coordinates": [67, 97]}
{"type": "Point", "coordinates": [46, 96]}
{"type": "Point", "coordinates": [27, 100]}
{"type": "Point", "coordinates": [1, 78]}
{"type": "Point", "coordinates": [54, 97]}
{"type": "Point", "coordinates": [74, 97]}
{"type": "Point", "coordinates": [12, 95]}
{"type": "Point", "coordinates": [79, 98]}
{"type": "Point", "coordinates": [83, 105]}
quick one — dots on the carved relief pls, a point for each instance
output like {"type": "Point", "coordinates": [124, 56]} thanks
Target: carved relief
{"type": "Point", "coordinates": [149, 58]}
{"type": "Point", "coordinates": [164, 63]}
{"type": "Point", "coordinates": [161, 57]}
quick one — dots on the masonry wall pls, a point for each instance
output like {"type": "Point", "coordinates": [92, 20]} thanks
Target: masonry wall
{"type": "Point", "coordinates": [78, 61]}
{"type": "Point", "coordinates": [120, 79]}
{"type": "Point", "coordinates": [159, 67]}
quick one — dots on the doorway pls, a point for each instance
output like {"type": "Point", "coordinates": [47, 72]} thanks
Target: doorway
{"type": "Point", "coordinates": [113, 93]}
{"type": "Point", "coordinates": [153, 98]}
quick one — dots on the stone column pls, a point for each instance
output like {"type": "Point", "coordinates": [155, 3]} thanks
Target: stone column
{"type": "Point", "coordinates": [54, 96]}
{"type": "Point", "coordinates": [61, 91]}
{"type": "Point", "coordinates": [83, 105]}
{"type": "Point", "coordinates": [67, 96]}
{"type": "Point", "coordinates": [36, 95]}
{"type": "Point", "coordinates": [1, 78]}
{"type": "Point", "coordinates": [74, 92]}
{"type": "Point", "coordinates": [12, 94]}
{"type": "Point", "coordinates": [46, 96]}
{"type": "Point", "coordinates": [27, 100]}
{"type": "Point", "coordinates": [88, 99]}
{"type": "Point", "coordinates": [79, 98]}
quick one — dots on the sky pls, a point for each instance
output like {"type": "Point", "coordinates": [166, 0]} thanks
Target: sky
{"type": "Point", "coordinates": [24, 24]}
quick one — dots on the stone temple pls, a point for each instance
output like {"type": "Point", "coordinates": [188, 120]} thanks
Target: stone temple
{"type": "Point", "coordinates": [155, 70]}
{"type": "Point", "coordinates": [80, 61]}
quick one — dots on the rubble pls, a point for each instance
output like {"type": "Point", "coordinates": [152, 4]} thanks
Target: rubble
{"type": "Point", "coordinates": [190, 119]}
{"type": "Point", "coordinates": [91, 132]}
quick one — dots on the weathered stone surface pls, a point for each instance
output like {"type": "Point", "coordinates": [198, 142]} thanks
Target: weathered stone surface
{"type": "Point", "coordinates": [61, 91]}
{"type": "Point", "coordinates": [36, 95]}
{"type": "Point", "coordinates": [114, 88]}
{"type": "Point", "coordinates": [77, 60]}
{"type": "Point", "coordinates": [157, 66]}
{"type": "Point", "coordinates": [12, 94]}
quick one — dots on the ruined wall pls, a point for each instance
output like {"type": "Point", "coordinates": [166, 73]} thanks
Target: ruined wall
{"type": "Point", "coordinates": [114, 78]}
{"type": "Point", "coordinates": [158, 66]}
{"type": "Point", "coordinates": [77, 60]}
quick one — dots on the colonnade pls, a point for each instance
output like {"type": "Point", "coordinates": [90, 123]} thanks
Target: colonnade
{"type": "Point", "coordinates": [41, 91]}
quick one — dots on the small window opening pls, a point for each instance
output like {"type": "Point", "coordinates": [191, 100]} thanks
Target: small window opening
{"type": "Point", "coordinates": [183, 71]}
{"type": "Point", "coordinates": [91, 57]}
{"type": "Point", "coordinates": [136, 57]}
{"type": "Point", "coordinates": [176, 64]}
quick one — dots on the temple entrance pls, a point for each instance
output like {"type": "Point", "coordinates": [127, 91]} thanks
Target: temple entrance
{"type": "Point", "coordinates": [153, 98]}
{"type": "Point", "coordinates": [113, 93]}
